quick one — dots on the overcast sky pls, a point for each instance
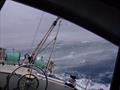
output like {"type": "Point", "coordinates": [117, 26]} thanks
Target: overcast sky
{"type": "Point", "coordinates": [19, 24]}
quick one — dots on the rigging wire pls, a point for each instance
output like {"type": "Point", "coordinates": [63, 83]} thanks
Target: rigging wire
{"type": "Point", "coordinates": [44, 39]}
{"type": "Point", "coordinates": [46, 36]}
{"type": "Point", "coordinates": [35, 34]}
{"type": "Point", "coordinates": [54, 44]}
{"type": "Point", "coordinates": [46, 46]}
{"type": "Point", "coordinates": [50, 41]}
{"type": "Point", "coordinates": [57, 37]}
{"type": "Point", "coordinates": [42, 42]}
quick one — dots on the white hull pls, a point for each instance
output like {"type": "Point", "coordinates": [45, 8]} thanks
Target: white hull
{"type": "Point", "coordinates": [53, 84]}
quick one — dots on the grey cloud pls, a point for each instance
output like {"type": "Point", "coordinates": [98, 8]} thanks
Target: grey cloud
{"type": "Point", "coordinates": [19, 24]}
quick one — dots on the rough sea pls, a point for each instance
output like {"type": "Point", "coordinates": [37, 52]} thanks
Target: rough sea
{"type": "Point", "coordinates": [91, 62]}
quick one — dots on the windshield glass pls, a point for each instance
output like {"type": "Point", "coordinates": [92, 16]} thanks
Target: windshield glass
{"type": "Point", "coordinates": [76, 50]}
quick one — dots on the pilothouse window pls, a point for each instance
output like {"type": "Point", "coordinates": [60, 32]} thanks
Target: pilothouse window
{"type": "Point", "coordinates": [75, 51]}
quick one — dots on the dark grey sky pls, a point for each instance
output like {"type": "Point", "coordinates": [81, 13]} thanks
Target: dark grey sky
{"type": "Point", "coordinates": [18, 24]}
